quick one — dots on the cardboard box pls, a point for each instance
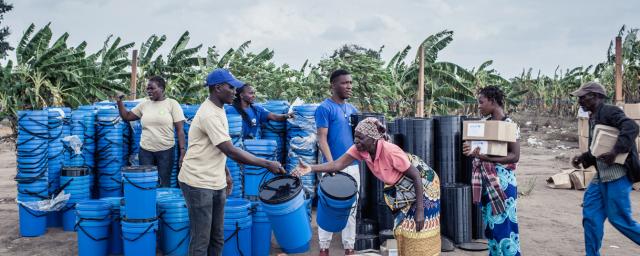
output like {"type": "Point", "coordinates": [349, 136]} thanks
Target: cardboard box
{"type": "Point", "coordinates": [580, 179]}
{"type": "Point", "coordinates": [588, 176]}
{"type": "Point", "coordinates": [632, 110]}
{"type": "Point", "coordinates": [560, 180]}
{"type": "Point", "coordinates": [602, 127]}
{"type": "Point", "coordinates": [583, 144]}
{"type": "Point", "coordinates": [637, 142]}
{"type": "Point", "coordinates": [603, 142]}
{"type": "Point", "coordinates": [583, 127]}
{"type": "Point", "coordinates": [492, 148]}
{"type": "Point", "coordinates": [489, 130]}
{"type": "Point", "coordinates": [389, 248]}
{"type": "Point", "coordinates": [582, 113]}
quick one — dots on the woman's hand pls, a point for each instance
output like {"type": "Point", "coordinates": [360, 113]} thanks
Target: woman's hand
{"type": "Point", "coordinates": [466, 148]}
{"type": "Point", "coordinates": [119, 96]}
{"type": "Point", "coordinates": [301, 170]}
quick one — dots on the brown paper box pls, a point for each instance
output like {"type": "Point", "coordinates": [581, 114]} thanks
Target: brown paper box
{"type": "Point", "coordinates": [560, 180]}
{"type": "Point", "coordinates": [492, 148]}
{"type": "Point", "coordinates": [583, 127]}
{"type": "Point", "coordinates": [489, 130]}
{"type": "Point", "coordinates": [632, 110]}
{"type": "Point", "coordinates": [588, 176]}
{"type": "Point", "coordinates": [603, 143]}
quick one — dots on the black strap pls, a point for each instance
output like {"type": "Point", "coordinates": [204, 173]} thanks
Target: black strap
{"type": "Point", "coordinates": [87, 233]}
{"type": "Point", "coordinates": [184, 239]}
{"type": "Point", "coordinates": [235, 234]}
{"type": "Point", "coordinates": [135, 185]}
{"type": "Point", "coordinates": [139, 236]}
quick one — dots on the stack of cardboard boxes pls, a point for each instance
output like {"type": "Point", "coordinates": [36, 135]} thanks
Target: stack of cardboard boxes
{"type": "Point", "coordinates": [583, 130]}
{"type": "Point", "coordinates": [492, 137]}
{"type": "Point", "coordinates": [633, 111]}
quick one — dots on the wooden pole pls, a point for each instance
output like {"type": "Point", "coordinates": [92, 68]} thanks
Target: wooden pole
{"type": "Point", "coordinates": [420, 96]}
{"type": "Point", "coordinates": [619, 96]}
{"type": "Point", "coordinates": [134, 75]}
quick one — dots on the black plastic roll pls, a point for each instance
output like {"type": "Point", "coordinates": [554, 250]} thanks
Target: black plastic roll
{"type": "Point", "coordinates": [385, 217]}
{"type": "Point", "coordinates": [408, 135]}
{"type": "Point", "coordinates": [455, 213]}
{"type": "Point", "coordinates": [477, 225]}
{"type": "Point", "coordinates": [423, 139]}
{"type": "Point", "coordinates": [467, 165]}
{"type": "Point", "coordinates": [392, 128]}
{"type": "Point", "coordinates": [448, 147]}
{"type": "Point", "coordinates": [398, 136]}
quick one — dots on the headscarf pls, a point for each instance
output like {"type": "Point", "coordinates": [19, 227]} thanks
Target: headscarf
{"type": "Point", "coordinates": [373, 128]}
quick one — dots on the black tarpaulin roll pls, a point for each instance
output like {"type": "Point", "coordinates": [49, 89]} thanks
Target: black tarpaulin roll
{"type": "Point", "coordinates": [467, 165]}
{"type": "Point", "coordinates": [448, 147]}
{"type": "Point", "coordinates": [455, 213]}
{"type": "Point", "coordinates": [408, 135]}
{"type": "Point", "coordinates": [398, 136]}
{"type": "Point", "coordinates": [423, 139]}
{"type": "Point", "coordinates": [392, 128]}
{"type": "Point", "coordinates": [477, 225]}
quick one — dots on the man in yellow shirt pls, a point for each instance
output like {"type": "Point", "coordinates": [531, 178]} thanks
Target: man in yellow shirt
{"type": "Point", "coordinates": [204, 176]}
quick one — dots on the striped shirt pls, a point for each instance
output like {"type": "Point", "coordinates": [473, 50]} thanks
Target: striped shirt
{"type": "Point", "coordinates": [606, 173]}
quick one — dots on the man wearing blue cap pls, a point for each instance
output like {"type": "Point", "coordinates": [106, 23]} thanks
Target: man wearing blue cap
{"type": "Point", "coordinates": [204, 176]}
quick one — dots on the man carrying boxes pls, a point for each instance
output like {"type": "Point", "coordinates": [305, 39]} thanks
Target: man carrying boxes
{"type": "Point", "coordinates": [611, 136]}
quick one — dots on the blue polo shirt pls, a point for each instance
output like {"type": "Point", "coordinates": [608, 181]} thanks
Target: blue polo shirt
{"type": "Point", "coordinates": [336, 117]}
{"type": "Point", "coordinates": [251, 127]}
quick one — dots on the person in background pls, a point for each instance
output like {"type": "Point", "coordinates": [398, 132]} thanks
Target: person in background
{"type": "Point", "coordinates": [253, 116]}
{"type": "Point", "coordinates": [494, 183]}
{"type": "Point", "coordinates": [158, 117]}
{"type": "Point", "coordinates": [608, 194]}
{"type": "Point", "coordinates": [333, 123]}
{"type": "Point", "coordinates": [204, 179]}
{"type": "Point", "coordinates": [409, 177]}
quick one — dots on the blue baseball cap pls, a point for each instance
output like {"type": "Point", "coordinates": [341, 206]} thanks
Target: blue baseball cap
{"type": "Point", "coordinates": [221, 75]}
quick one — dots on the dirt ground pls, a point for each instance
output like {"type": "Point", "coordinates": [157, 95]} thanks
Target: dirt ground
{"type": "Point", "coordinates": [550, 219]}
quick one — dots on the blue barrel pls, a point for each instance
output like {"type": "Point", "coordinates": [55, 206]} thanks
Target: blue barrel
{"type": "Point", "coordinates": [77, 182]}
{"type": "Point", "coordinates": [255, 176]}
{"type": "Point", "coordinates": [140, 184]}
{"type": "Point", "coordinates": [115, 239]}
{"type": "Point", "coordinates": [336, 196]}
{"type": "Point", "coordinates": [174, 223]}
{"type": "Point", "coordinates": [260, 231]}
{"type": "Point", "coordinates": [139, 236]}
{"type": "Point", "coordinates": [237, 236]}
{"type": "Point", "coordinates": [284, 204]}
{"type": "Point", "coordinates": [93, 224]}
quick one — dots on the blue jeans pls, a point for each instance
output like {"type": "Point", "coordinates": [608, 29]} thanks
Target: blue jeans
{"type": "Point", "coordinates": [607, 200]}
{"type": "Point", "coordinates": [163, 160]}
{"type": "Point", "coordinates": [206, 219]}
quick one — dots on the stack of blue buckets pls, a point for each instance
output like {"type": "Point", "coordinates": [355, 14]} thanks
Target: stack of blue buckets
{"type": "Point", "coordinates": [234, 121]}
{"type": "Point", "coordinates": [274, 130]}
{"type": "Point", "coordinates": [134, 139]}
{"type": "Point", "coordinates": [254, 176]}
{"type": "Point", "coordinates": [32, 176]}
{"type": "Point", "coordinates": [173, 223]}
{"type": "Point", "coordinates": [237, 227]}
{"type": "Point", "coordinates": [140, 223]}
{"type": "Point", "coordinates": [55, 159]}
{"type": "Point", "coordinates": [75, 181]}
{"type": "Point", "coordinates": [93, 222]}
{"type": "Point", "coordinates": [109, 152]}
{"type": "Point", "coordinates": [302, 139]}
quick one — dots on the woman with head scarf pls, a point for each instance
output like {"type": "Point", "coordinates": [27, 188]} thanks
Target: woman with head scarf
{"type": "Point", "coordinates": [494, 181]}
{"type": "Point", "coordinates": [404, 175]}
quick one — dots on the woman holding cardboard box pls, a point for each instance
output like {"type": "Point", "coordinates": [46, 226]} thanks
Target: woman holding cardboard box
{"type": "Point", "coordinates": [494, 182]}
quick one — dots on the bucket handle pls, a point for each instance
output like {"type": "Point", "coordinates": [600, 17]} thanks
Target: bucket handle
{"type": "Point", "coordinates": [135, 185]}
{"type": "Point", "coordinates": [32, 212]}
{"type": "Point", "coordinates": [87, 233]}
{"type": "Point", "coordinates": [184, 239]}
{"type": "Point", "coordinates": [236, 234]}
{"type": "Point", "coordinates": [139, 236]}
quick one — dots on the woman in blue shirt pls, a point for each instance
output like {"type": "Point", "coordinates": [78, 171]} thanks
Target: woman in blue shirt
{"type": "Point", "coordinates": [253, 116]}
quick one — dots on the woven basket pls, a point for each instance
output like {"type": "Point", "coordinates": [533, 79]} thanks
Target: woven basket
{"type": "Point", "coordinates": [423, 243]}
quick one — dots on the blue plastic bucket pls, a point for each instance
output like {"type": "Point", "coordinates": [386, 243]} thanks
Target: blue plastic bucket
{"type": "Point", "coordinates": [260, 231]}
{"type": "Point", "coordinates": [93, 224]}
{"type": "Point", "coordinates": [236, 208]}
{"type": "Point", "coordinates": [54, 219]}
{"type": "Point", "coordinates": [284, 204]}
{"type": "Point", "coordinates": [32, 223]}
{"type": "Point", "coordinates": [237, 236]}
{"type": "Point", "coordinates": [254, 177]}
{"type": "Point", "coordinates": [115, 239]}
{"type": "Point", "coordinates": [140, 184]}
{"type": "Point", "coordinates": [174, 226]}
{"type": "Point", "coordinates": [68, 216]}
{"type": "Point", "coordinates": [139, 237]}
{"type": "Point", "coordinates": [336, 195]}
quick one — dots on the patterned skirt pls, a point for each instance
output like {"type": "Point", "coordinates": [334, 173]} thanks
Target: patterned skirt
{"type": "Point", "coordinates": [502, 229]}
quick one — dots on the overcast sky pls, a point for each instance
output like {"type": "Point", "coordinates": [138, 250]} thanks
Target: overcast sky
{"type": "Point", "coordinates": [541, 34]}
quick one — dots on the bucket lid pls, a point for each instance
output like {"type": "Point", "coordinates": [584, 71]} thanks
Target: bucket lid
{"type": "Point", "coordinates": [74, 171]}
{"type": "Point", "coordinates": [280, 189]}
{"type": "Point", "coordinates": [340, 186]}
{"type": "Point", "coordinates": [141, 168]}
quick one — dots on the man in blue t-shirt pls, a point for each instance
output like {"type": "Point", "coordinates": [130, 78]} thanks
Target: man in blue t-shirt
{"type": "Point", "coordinates": [335, 138]}
{"type": "Point", "coordinates": [252, 115]}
